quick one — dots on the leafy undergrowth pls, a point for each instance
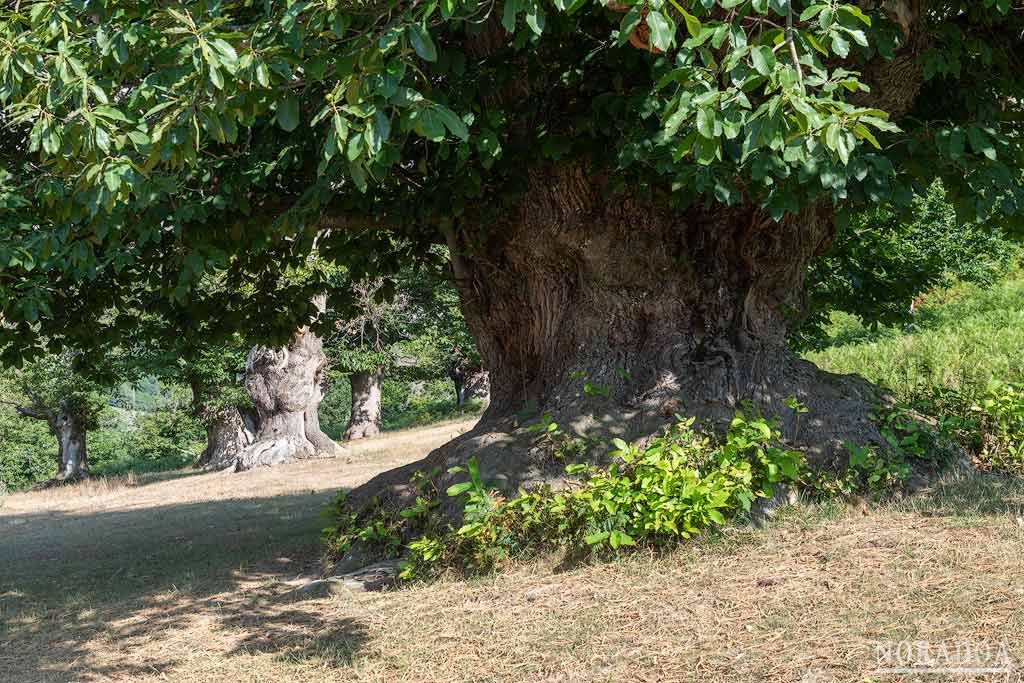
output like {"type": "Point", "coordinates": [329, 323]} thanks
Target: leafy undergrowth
{"type": "Point", "coordinates": [677, 486]}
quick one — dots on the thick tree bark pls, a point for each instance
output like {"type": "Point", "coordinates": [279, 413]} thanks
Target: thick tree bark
{"type": "Point", "coordinates": [365, 417]}
{"type": "Point", "coordinates": [286, 386]}
{"type": "Point", "coordinates": [612, 314]}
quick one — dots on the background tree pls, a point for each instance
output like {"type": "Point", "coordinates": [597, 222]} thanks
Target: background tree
{"type": "Point", "coordinates": [363, 346]}
{"type": "Point", "coordinates": [221, 403]}
{"type": "Point", "coordinates": [67, 401]}
{"type": "Point", "coordinates": [286, 385]}
{"type": "Point", "coordinates": [641, 218]}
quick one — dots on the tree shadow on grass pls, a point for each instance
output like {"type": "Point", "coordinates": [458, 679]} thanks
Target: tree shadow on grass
{"type": "Point", "coordinates": [105, 594]}
{"type": "Point", "coordinates": [298, 635]}
{"type": "Point", "coordinates": [969, 494]}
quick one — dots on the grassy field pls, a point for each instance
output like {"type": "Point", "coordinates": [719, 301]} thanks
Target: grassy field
{"type": "Point", "coordinates": [181, 576]}
{"type": "Point", "coordinates": [960, 338]}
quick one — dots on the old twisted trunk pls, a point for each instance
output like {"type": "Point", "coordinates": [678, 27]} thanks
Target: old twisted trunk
{"type": "Point", "coordinates": [72, 457]}
{"type": "Point", "coordinates": [287, 385]}
{"type": "Point", "coordinates": [69, 428]}
{"type": "Point", "coordinates": [229, 431]}
{"type": "Point", "coordinates": [613, 314]}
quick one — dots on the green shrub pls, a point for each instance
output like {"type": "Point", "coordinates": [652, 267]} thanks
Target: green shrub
{"type": "Point", "coordinates": [678, 485]}
{"type": "Point", "coordinates": [999, 420]}
{"type": "Point", "coordinates": [156, 441]}
{"type": "Point", "coordinates": [28, 451]}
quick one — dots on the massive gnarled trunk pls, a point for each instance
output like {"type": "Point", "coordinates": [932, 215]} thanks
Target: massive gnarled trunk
{"type": "Point", "coordinates": [613, 313]}
{"type": "Point", "coordinates": [471, 383]}
{"type": "Point", "coordinates": [365, 417]}
{"type": "Point", "coordinates": [287, 385]}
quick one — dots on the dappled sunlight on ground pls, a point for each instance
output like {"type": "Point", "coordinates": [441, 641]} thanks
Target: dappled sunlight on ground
{"type": "Point", "coordinates": [183, 580]}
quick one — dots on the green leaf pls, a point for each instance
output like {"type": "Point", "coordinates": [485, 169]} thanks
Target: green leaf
{"type": "Point", "coordinates": [452, 122]}
{"type": "Point", "coordinates": [763, 59]}
{"type": "Point", "coordinates": [617, 539]}
{"type": "Point", "coordinates": [981, 143]}
{"type": "Point", "coordinates": [662, 32]}
{"type": "Point", "coordinates": [812, 12]}
{"type": "Point", "coordinates": [102, 139]}
{"type": "Point", "coordinates": [288, 113]}
{"type": "Point", "coordinates": [855, 12]}
{"type": "Point", "coordinates": [111, 113]}
{"type": "Point", "coordinates": [228, 56]}
{"type": "Point", "coordinates": [596, 538]}
{"type": "Point", "coordinates": [508, 16]}
{"type": "Point", "coordinates": [693, 25]}
{"type": "Point", "coordinates": [706, 122]}
{"type": "Point", "coordinates": [862, 132]}
{"type": "Point", "coordinates": [840, 45]}
{"type": "Point", "coordinates": [422, 43]}
{"type": "Point", "coordinates": [459, 489]}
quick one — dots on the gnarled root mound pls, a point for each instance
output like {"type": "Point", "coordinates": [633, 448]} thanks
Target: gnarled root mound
{"type": "Point", "coordinates": [511, 455]}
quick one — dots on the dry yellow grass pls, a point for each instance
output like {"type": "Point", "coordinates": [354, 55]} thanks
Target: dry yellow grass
{"type": "Point", "coordinates": [187, 586]}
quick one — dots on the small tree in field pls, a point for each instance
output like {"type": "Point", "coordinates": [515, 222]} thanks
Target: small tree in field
{"type": "Point", "coordinates": [631, 192]}
{"type": "Point", "coordinates": [51, 390]}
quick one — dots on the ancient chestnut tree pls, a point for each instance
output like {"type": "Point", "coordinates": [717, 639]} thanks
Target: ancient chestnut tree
{"type": "Point", "coordinates": [630, 191]}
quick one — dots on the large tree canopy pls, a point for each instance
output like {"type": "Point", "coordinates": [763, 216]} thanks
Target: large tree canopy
{"type": "Point", "coordinates": [631, 192]}
{"type": "Point", "coordinates": [151, 142]}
